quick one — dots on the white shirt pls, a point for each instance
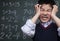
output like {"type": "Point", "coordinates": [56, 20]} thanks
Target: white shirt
{"type": "Point", "coordinates": [29, 27]}
{"type": "Point", "coordinates": [47, 23]}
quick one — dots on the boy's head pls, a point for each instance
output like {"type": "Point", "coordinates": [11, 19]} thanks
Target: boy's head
{"type": "Point", "coordinates": [51, 2]}
{"type": "Point", "coordinates": [46, 9]}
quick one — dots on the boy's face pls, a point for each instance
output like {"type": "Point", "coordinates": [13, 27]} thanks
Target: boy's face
{"type": "Point", "coordinates": [45, 13]}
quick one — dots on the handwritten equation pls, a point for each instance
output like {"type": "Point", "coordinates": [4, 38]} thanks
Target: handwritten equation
{"type": "Point", "coordinates": [9, 25]}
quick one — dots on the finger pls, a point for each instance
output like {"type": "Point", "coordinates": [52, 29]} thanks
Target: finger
{"type": "Point", "coordinates": [36, 6]}
{"type": "Point", "coordinates": [39, 6]}
{"type": "Point", "coordinates": [55, 6]}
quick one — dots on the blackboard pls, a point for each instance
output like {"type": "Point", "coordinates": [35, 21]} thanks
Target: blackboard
{"type": "Point", "coordinates": [13, 15]}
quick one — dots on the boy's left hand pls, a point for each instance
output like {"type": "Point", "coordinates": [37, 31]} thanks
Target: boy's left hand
{"type": "Point", "coordinates": [55, 9]}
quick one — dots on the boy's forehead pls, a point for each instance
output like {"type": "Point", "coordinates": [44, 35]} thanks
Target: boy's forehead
{"type": "Point", "coordinates": [48, 6]}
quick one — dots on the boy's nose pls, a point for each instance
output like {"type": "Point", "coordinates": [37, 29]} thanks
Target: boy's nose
{"type": "Point", "coordinates": [45, 13]}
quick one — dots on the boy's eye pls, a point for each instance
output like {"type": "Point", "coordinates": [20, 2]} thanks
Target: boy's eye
{"type": "Point", "coordinates": [49, 10]}
{"type": "Point", "coordinates": [41, 9]}
{"type": "Point", "coordinates": [46, 10]}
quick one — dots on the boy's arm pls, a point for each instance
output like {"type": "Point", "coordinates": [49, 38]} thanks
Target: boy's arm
{"type": "Point", "coordinates": [29, 27]}
{"type": "Point", "coordinates": [55, 18]}
{"type": "Point", "coordinates": [37, 8]}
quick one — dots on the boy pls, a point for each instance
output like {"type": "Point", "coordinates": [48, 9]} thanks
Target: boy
{"type": "Point", "coordinates": [46, 29]}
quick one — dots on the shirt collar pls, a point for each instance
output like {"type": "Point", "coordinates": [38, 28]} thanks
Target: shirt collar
{"type": "Point", "coordinates": [47, 23]}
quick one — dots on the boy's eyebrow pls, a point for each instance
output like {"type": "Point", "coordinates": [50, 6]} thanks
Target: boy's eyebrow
{"type": "Point", "coordinates": [49, 9]}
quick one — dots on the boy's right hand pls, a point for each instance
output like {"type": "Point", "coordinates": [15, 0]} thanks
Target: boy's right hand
{"type": "Point", "coordinates": [37, 13]}
{"type": "Point", "coordinates": [37, 9]}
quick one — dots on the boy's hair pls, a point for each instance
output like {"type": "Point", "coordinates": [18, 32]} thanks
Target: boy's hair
{"type": "Point", "coordinates": [51, 2]}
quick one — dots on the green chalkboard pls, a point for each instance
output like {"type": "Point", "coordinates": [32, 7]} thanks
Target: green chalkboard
{"type": "Point", "coordinates": [13, 15]}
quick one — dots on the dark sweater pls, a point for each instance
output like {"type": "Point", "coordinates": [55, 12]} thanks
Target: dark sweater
{"type": "Point", "coordinates": [46, 34]}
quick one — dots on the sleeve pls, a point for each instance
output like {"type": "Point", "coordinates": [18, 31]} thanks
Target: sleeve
{"type": "Point", "coordinates": [58, 31]}
{"type": "Point", "coordinates": [29, 28]}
